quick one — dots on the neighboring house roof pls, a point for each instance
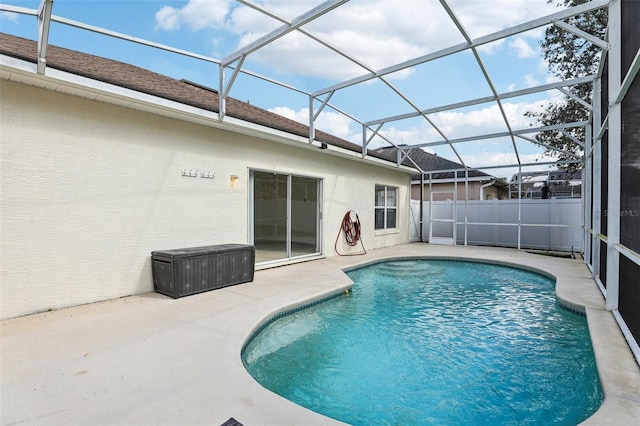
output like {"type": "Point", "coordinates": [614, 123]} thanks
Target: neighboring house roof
{"type": "Point", "coordinates": [562, 176]}
{"type": "Point", "coordinates": [556, 183]}
{"type": "Point", "coordinates": [430, 162]}
{"type": "Point", "coordinates": [151, 83]}
{"type": "Point", "coordinates": [548, 176]}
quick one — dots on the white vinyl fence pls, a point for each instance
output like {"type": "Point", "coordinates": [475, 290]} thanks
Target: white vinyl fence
{"type": "Point", "coordinates": [553, 224]}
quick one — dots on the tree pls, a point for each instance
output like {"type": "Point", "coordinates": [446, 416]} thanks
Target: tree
{"type": "Point", "coordinates": [570, 56]}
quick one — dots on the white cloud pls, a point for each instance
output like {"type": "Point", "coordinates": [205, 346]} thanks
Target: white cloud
{"type": "Point", "coordinates": [167, 18]}
{"type": "Point", "coordinates": [455, 124]}
{"type": "Point", "coordinates": [8, 16]}
{"type": "Point", "coordinates": [330, 122]}
{"type": "Point", "coordinates": [527, 81]}
{"type": "Point", "coordinates": [379, 33]}
{"type": "Point", "coordinates": [486, 160]}
{"type": "Point", "coordinates": [487, 120]}
{"type": "Point", "coordinates": [485, 17]}
{"type": "Point", "coordinates": [522, 48]}
{"type": "Point", "coordinates": [196, 14]}
{"type": "Point", "coordinates": [491, 48]}
{"type": "Point", "coordinates": [531, 81]}
{"type": "Point", "coordinates": [301, 116]}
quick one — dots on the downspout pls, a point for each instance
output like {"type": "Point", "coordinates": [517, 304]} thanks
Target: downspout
{"type": "Point", "coordinates": [486, 185]}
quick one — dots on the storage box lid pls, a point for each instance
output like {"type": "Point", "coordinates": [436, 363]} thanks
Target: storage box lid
{"type": "Point", "coordinates": [201, 251]}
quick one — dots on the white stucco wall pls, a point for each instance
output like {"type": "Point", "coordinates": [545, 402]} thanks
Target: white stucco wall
{"type": "Point", "coordinates": [89, 189]}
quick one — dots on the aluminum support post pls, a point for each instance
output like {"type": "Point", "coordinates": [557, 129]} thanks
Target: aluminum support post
{"type": "Point", "coordinates": [597, 178]}
{"type": "Point", "coordinates": [586, 195]}
{"type": "Point", "coordinates": [44, 24]}
{"type": "Point", "coordinates": [614, 141]}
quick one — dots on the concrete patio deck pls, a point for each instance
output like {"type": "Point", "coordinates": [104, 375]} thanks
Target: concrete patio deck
{"type": "Point", "coordinates": [149, 359]}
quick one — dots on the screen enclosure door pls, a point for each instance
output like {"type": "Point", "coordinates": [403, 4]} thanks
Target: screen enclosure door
{"type": "Point", "coordinates": [442, 218]}
{"type": "Point", "coordinates": [285, 216]}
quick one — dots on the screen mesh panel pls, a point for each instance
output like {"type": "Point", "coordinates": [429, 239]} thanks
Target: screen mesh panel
{"type": "Point", "coordinates": [629, 283]}
{"type": "Point", "coordinates": [603, 263]}
{"type": "Point", "coordinates": [630, 295]}
{"type": "Point", "coordinates": [630, 138]}
{"type": "Point", "coordinates": [604, 151]}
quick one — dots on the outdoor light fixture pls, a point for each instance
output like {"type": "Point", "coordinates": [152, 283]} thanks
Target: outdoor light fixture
{"type": "Point", "coordinates": [233, 178]}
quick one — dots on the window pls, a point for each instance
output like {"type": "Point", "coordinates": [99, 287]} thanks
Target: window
{"type": "Point", "coordinates": [386, 206]}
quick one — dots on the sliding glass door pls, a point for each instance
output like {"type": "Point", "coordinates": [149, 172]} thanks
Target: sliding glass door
{"type": "Point", "coordinates": [269, 216]}
{"type": "Point", "coordinates": [286, 216]}
{"type": "Point", "coordinates": [305, 222]}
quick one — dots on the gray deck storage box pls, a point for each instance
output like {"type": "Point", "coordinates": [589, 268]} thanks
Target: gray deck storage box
{"type": "Point", "coordinates": [186, 271]}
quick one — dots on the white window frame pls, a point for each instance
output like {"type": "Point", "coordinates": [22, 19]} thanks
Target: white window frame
{"type": "Point", "coordinates": [385, 208]}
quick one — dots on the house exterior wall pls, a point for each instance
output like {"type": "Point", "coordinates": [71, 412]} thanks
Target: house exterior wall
{"type": "Point", "coordinates": [89, 189]}
{"type": "Point", "coordinates": [474, 191]}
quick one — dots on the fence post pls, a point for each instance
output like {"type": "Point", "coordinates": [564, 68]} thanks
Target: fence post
{"type": "Point", "coordinates": [496, 229]}
{"type": "Point", "coordinates": [553, 243]}
{"type": "Point", "coordinates": [519, 203]}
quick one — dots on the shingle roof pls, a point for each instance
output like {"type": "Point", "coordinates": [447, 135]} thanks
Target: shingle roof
{"type": "Point", "coordinates": [148, 82]}
{"type": "Point", "coordinates": [429, 162]}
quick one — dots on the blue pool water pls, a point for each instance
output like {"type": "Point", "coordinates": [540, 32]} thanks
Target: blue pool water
{"type": "Point", "coordinates": [434, 342]}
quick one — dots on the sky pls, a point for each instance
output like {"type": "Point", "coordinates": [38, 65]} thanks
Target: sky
{"type": "Point", "coordinates": [370, 34]}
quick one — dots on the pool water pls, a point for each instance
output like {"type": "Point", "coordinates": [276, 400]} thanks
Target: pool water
{"type": "Point", "coordinates": [434, 342]}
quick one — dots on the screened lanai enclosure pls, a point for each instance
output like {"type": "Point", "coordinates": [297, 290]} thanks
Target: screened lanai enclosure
{"type": "Point", "coordinates": [431, 97]}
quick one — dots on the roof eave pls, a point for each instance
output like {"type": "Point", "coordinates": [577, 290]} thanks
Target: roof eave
{"type": "Point", "coordinates": [25, 72]}
{"type": "Point", "coordinates": [459, 180]}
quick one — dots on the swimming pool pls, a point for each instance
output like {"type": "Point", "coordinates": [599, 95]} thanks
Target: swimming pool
{"type": "Point", "coordinates": [433, 342]}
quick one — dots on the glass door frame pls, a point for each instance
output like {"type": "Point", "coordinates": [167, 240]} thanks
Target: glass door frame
{"type": "Point", "coordinates": [318, 225]}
